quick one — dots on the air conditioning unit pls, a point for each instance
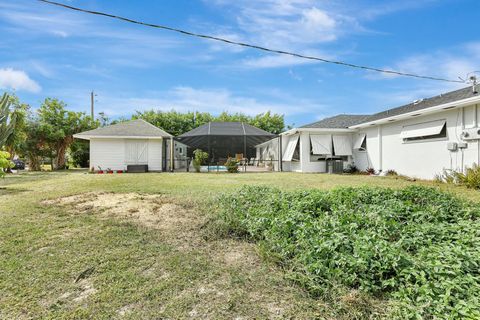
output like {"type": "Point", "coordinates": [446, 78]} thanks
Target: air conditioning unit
{"type": "Point", "coordinates": [471, 134]}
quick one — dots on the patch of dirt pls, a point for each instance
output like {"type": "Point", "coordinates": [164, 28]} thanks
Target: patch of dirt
{"type": "Point", "coordinates": [151, 211]}
{"type": "Point", "coordinates": [84, 290]}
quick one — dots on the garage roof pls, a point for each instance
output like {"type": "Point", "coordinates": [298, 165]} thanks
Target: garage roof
{"type": "Point", "coordinates": [131, 129]}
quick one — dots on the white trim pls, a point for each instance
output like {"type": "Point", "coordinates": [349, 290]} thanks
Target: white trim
{"type": "Point", "coordinates": [317, 130]}
{"type": "Point", "coordinates": [454, 104]}
{"type": "Point", "coordinates": [77, 136]}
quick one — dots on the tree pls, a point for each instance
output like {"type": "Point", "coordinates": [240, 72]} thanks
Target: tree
{"type": "Point", "coordinates": [7, 120]}
{"type": "Point", "coordinates": [18, 136]}
{"type": "Point", "coordinates": [34, 147]}
{"type": "Point", "coordinates": [177, 123]}
{"type": "Point", "coordinates": [58, 126]}
{"type": "Point", "coordinates": [80, 153]}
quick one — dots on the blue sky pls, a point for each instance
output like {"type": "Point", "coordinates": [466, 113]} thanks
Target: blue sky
{"type": "Point", "coordinates": [47, 51]}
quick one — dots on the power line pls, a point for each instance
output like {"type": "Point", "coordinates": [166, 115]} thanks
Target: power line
{"type": "Point", "coordinates": [252, 46]}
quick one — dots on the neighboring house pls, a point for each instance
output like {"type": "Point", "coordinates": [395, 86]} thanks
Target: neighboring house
{"type": "Point", "coordinates": [419, 139]}
{"type": "Point", "coordinates": [135, 142]}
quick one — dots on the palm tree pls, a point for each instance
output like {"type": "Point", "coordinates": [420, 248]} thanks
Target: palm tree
{"type": "Point", "coordinates": [7, 121]}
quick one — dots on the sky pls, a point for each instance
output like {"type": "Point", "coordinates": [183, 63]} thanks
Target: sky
{"type": "Point", "coordinates": [47, 51]}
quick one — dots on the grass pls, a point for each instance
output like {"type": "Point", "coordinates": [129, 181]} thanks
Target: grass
{"type": "Point", "coordinates": [57, 261]}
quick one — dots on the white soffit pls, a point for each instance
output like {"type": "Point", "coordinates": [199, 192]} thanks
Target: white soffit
{"type": "Point", "coordinates": [423, 129]}
{"type": "Point", "coordinates": [290, 150]}
{"type": "Point", "coordinates": [358, 143]}
{"type": "Point", "coordinates": [321, 144]}
{"type": "Point", "coordinates": [342, 145]}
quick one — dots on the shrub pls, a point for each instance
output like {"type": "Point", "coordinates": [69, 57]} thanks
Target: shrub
{"type": "Point", "coordinates": [200, 157]}
{"type": "Point", "coordinates": [469, 179]}
{"type": "Point", "coordinates": [351, 169]}
{"type": "Point", "coordinates": [391, 173]}
{"type": "Point", "coordinates": [5, 162]}
{"type": "Point", "coordinates": [417, 247]}
{"type": "Point", "coordinates": [370, 171]}
{"type": "Point", "coordinates": [232, 165]}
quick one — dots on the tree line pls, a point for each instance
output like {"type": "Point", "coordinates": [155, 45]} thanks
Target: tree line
{"type": "Point", "coordinates": [45, 134]}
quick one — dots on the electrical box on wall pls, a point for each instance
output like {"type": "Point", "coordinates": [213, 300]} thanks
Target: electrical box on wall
{"type": "Point", "coordinates": [462, 145]}
{"type": "Point", "coordinates": [471, 134]}
{"type": "Point", "coordinates": [452, 146]}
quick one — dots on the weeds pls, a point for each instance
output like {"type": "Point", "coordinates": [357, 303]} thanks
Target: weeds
{"type": "Point", "coordinates": [417, 247]}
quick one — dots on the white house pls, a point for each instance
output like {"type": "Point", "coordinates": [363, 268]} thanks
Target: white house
{"type": "Point", "coordinates": [419, 139]}
{"type": "Point", "coordinates": [131, 143]}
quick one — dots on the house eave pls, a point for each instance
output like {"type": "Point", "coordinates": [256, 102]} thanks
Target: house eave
{"type": "Point", "coordinates": [439, 108]}
{"type": "Point", "coordinates": [89, 137]}
{"type": "Point", "coordinates": [318, 130]}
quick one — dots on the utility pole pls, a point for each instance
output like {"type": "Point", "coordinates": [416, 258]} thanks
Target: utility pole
{"type": "Point", "coordinates": [92, 105]}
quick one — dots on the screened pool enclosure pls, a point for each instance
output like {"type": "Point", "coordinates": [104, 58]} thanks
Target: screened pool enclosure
{"type": "Point", "coordinates": [225, 139]}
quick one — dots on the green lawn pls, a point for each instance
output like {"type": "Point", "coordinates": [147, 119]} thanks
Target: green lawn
{"type": "Point", "coordinates": [85, 259]}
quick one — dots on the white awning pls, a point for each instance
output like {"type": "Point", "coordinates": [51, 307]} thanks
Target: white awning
{"type": "Point", "coordinates": [358, 143]}
{"type": "Point", "coordinates": [265, 152]}
{"type": "Point", "coordinates": [321, 144]}
{"type": "Point", "coordinates": [342, 145]}
{"type": "Point", "coordinates": [424, 129]}
{"type": "Point", "coordinates": [290, 149]}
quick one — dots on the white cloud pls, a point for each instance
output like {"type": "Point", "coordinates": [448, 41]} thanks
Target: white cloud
{"type": "Point", "coordinates": [184, 98]}
{"type": "Point", "coordinates": [452, 63]}
{"type": "Point", "coordinates": [17, 80]}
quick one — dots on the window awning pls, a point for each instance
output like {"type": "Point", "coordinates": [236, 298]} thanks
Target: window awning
{"type": "Point", "coordinates": [321, 144]}
{"type": "Point", "coordinates": [265, 152]}
{"type": "Point", "coordinates": [424, 129]}
{"type": "Point", "coordinates": [358, 143]}
{"type": "Point", "coordinates": [342, 145]}
{"type": "Point", "coordinates": [290, 149]}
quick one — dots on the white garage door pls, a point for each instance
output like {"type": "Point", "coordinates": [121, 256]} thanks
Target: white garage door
{"type": "Point", "coordinates": [136, 151]}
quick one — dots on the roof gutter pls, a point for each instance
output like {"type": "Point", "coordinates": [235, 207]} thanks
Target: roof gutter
{"type": "Point", "coordinates": [88, 137]}
{"type": "Point", "coordinates": [317, 130]}
{"type": "Point", "coordinates": [441, 107]}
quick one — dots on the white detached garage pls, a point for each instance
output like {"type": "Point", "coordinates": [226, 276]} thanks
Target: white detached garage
{"type": "Point", "coordinates": [131, 144]}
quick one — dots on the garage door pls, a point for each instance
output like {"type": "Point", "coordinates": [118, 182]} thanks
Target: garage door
{"type": "Point", "coordinates": [136, 151]}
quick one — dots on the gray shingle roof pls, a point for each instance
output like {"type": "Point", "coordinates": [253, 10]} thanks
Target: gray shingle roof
{"type": "Point", "coordinates": [347, 120]}
{"type": "Point", "coordinates": [226, 129]}
{"type": "Point", "coordinates": [425, 103]}
{"type": "Point", "coordinates": [133, 128]}
{"type": "Point", "coordinates": [341, 121]}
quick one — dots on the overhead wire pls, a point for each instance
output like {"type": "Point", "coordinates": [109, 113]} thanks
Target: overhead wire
{"type": "Point", "coordinates": [252, 46]}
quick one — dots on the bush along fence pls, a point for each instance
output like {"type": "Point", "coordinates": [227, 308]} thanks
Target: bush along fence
{"type": "Point", "coordinates": [416, 247]}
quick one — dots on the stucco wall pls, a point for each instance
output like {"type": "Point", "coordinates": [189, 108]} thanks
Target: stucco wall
{"type": "Point", "coordinates": [423, 158]}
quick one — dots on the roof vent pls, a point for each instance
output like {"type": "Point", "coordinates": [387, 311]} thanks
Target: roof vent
{"type": "Point", "coordinates": [473, 80]}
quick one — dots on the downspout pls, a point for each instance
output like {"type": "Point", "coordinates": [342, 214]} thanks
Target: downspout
{"type": "Point", "coordinates": [280, 153]}
{"type": "Point", "coordinates": [475, 123]}
{"type": "Point", "coordinates": [462, 118]}
{"type": "Point", "coordinates": [172, 154]}
{"type": "Point", "coordinates": [380, 147]}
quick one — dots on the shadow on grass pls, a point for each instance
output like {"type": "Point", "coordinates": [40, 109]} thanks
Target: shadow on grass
{"type": "Point", "coordinates": [11, 191]}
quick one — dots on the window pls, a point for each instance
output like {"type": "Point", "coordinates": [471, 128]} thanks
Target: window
{"type": "Point", "coordinates": [364, 145]}
{"type": "Point", "coordinates": [296, 153]}
{"type": "Point", "coordinates": [361, 142]}
{"type": "Point", "coordinates": [424, 131]}
{"type": "Point", "coordinates": [342, 146]}
{"type": "Point", "coordinates": [320, 144]}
